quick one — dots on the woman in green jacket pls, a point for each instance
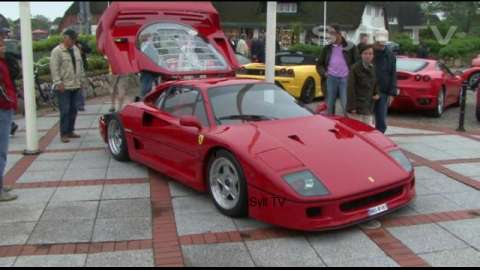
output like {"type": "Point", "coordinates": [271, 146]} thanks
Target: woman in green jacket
{"type": "Point", "coordinates": [362, 87]}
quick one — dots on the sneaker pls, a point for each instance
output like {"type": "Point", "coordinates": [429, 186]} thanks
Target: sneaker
{"type": "Point", "coordinates": [65, 139]}
{"type": "Point", "coordinates": [13, 129]}
{"type": "Point", "coordinates": [81, 109]}
{"type": "Point", "coordinates": [7, 189]}
{"type": "Point", "coordinates": [5, 196]}
{"type": "Point", "coordinates": [74, 136]}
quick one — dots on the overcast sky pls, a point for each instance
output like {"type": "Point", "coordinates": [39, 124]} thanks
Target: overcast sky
{"type": "Point", "coordinates": [51, 10]}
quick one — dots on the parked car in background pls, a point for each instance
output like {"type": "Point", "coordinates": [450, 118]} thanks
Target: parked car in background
{"type": "Point", "coordinates": [477, 107]}
{"type": "Point", "coordinates": [13, 46]}
{"type": "Point", "coordinates": [472, 74]}
{"type": "Point", "coordinates": [425, 85]}
{"type": "Point", "coordinates": [393, 46]}
{"type": "Point", "coordinates": [475, 86]}
{"type": "Point", "coordinates": [247, 143]}
{"type": "Point", "coordinates": [294, 71]}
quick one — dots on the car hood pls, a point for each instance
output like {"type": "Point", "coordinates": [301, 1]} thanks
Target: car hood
{"type": "Point", "coordinates": [173, 31]}
{"type": "Point", "coordinates": [342, 158]}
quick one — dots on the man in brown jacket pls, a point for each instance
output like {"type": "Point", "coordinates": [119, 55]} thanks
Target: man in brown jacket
{"type": "Point", "coordinates": [362, 87]}
{"type": "Point", "coordinates": [66, 69]}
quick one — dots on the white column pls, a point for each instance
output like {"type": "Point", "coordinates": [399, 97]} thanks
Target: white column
{"type": "Point", "coordinates": [270, 41]}
{"type": "Point", "coordinates": [28, 82]}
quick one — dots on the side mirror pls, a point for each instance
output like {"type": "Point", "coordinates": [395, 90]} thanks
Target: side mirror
{"type": "Point", "coordinates": [190, 121]}
{"type": "Point", "coordinates": [322, 107]}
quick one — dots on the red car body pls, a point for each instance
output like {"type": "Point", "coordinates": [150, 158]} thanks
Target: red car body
{"type": "Point", "coordinates": [351, 159]}
{"type": "Point", "coordinates": [472, 74]}
{"type": "Point", "coordinates": [420, 89]}
{"type": "Point", "coordinates": [477, 107]}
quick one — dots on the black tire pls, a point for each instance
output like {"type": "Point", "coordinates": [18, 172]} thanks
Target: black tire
{"type": "Point", "coordinates": [240, 209]}
{"type": "Point", "coordinates": [308, 91]}
{"type": "Point", "coordinates": [438, 111]}
{"type": "Point", "coordinates": [472, 78]}
{"type": "Point", "coordinates": [120, 152]}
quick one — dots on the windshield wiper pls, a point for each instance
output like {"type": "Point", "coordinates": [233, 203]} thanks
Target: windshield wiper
{"type": "Point", "coordinates": [247, 117]}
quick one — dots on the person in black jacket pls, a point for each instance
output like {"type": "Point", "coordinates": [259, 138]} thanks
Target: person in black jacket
{"type": "Point", "coordinates": [386, 73]}
{"type": "Point", "coordinates": [258, 49]}
{"type": "Point", "coordinates": [333, 65]}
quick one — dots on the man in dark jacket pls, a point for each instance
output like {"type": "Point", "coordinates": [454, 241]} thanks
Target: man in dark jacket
{"type": "Point", "coordinates": [334, 64]}
{"type": "Point", "coordinates": [258, 49]}
{"type": "Point", "coordinates": [386, 71]}
{"type": "Point", "coordinates": [422, 51]}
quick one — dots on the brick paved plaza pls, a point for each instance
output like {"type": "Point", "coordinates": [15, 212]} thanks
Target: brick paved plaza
{"type": "Point", "coordinates": [79, 207]}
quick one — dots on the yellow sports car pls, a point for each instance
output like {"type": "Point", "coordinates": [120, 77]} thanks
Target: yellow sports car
{"type": "Point", "coordinates": [294, 72]}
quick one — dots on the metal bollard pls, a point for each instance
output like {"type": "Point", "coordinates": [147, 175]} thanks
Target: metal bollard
{"type": "Point", "coordinates": [463, 101]}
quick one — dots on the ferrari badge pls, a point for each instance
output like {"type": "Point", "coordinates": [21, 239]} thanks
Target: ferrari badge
{"type": "Point", "coordinates": [200, 139]}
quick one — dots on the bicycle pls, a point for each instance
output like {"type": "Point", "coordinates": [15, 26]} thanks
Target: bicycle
{"type": "Point", "coordinates": [46, 93]}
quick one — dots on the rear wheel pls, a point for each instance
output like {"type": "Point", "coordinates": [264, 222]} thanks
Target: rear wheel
{"type": "Point", "coordinates": [308, 91]}
{"type": "Point", "coordinates": [227, 184]}
{"type": "Point", "coordinates": [439, 109]}
{"type": "Point", "coordinates": [117, 143]}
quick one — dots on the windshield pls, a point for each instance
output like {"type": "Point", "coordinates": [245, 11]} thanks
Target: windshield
{"type": "Point", "coordinates": [255, 102]}
{"type": "Point", "coordinates": [410, 65]}
{"type": "Point", "coordinates": [179, 48]}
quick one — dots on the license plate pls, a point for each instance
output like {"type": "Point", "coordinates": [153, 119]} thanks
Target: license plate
{"type": "Point", "coordinates": [377, 209]}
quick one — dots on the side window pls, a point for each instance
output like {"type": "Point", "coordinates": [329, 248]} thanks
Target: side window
{"type": "Point", "coordinates": [160, 99]}
{"type": "Point", "coordinates": [181, 101]}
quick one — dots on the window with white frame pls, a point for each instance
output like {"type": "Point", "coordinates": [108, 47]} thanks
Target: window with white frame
{"type": "Point", "coordinates": [287, 7]}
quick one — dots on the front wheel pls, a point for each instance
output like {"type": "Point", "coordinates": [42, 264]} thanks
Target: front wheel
{"type": "Point", "coordinates": [227, 184]}
{"type": "Point", "coordinates": [117, 143]}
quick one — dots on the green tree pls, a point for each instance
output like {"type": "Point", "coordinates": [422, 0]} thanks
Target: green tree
{"type": "Point", "coordinates": [461, 14]}
{"type": "Point", "coordinates": [41, 22]}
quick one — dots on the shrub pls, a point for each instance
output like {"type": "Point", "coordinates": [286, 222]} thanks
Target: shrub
{"type": "Point", "coordinates": [307, 49]}
{"type": "Point", "coordinates": [47, 44]}
{"type": "Point", "coordinates": [97, 62]}
{"type": "Point", "coordinates": [43, 65]}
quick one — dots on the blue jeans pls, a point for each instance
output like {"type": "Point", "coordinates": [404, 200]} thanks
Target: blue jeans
{"type": "Point", "coordinates": [68, 104]}
{"type": "Point", "coordinates": [6, 117]}
{"type": "Point", "coordinates": [81, 99]}
{"type": "Point", "coordinates": [146, 80]}
{"type": "Point", "coordinates": [381, 111]}
{"type": "Point", "coordinates": [336, 86]}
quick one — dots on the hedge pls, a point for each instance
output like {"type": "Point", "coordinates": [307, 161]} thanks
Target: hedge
{"type": "Point", "coordinates": [47, 45]}
{"type": "Point", "coordinates": [307, 49]}
{"type": "Point", "coordinates": [456, 48]}
{"type": "Point", "coordinates": [95, 63]}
